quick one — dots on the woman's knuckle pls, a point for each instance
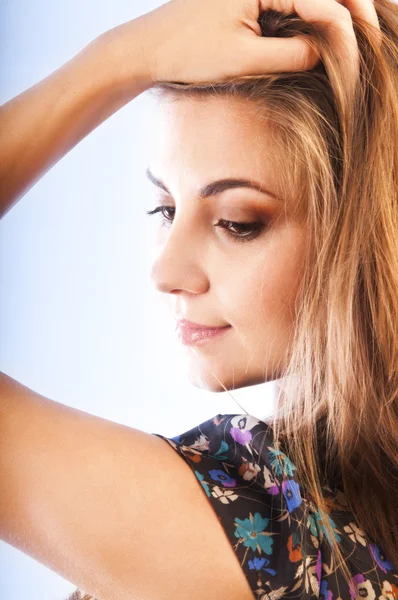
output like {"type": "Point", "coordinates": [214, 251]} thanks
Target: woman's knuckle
{"type": "Point", "coordinates": [306, 59]}
{"type": "Point", "coordinates": [345, 14]}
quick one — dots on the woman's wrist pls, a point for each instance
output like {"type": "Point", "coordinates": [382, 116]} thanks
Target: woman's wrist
{"type": "Point", "coordinates": [125, 58]}
{"type": "Point", "coordinates": [43, 123]}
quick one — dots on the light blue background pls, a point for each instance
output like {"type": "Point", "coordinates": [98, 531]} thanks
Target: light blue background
{"type": "Point", "coordinates": [79, 320]}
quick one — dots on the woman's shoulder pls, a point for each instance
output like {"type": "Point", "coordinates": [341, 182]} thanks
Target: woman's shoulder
{"type": "Point", "coordinates": [275, 530]}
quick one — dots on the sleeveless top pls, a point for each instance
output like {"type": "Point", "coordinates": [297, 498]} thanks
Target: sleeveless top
{"type": "Point", "coordinates": [277, 534]}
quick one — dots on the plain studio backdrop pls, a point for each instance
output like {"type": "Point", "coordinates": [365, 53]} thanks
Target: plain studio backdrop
{"type": "Point", "coordinates": [80, 321]}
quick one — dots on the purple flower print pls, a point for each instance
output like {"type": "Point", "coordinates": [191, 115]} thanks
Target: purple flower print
{"type": "Point", "coordinates": [242, 436]}
{"type": "Point", "coordinates": [241, 428]}
{"type": "Point", "coordinates": [361, 588]}
{"type": "Point", "coordinates": [318, 567]}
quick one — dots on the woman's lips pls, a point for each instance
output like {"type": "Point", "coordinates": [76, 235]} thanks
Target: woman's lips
{"type": "Point", "coordinates": [192, 334]}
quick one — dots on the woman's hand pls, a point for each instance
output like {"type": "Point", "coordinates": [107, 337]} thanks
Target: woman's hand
{"type": "Point", "coordinates": [197, 41]}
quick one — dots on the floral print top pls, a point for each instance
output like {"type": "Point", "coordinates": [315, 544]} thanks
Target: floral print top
{"type": "Point", "coordinates": [277, 534]}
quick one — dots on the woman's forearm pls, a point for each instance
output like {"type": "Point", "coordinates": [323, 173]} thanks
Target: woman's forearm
{"type": "Point", "coordinates": [42, 124]}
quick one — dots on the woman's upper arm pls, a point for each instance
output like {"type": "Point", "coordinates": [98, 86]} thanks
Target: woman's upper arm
{"type": "Point", "coordinates": [110, 508]}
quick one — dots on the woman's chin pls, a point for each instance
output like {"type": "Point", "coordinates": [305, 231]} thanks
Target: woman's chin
{"type": "Point", "coordinates": [218, 381]}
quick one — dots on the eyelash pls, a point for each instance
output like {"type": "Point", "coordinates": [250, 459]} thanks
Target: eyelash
{"type": "Point", "coordinates": [256, 226]}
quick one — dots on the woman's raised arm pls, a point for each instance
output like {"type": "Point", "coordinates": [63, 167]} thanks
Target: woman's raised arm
{"type": "Point", "coordinates": [40, 125]}
{"type": "Point", "coordinates": [108, 507]}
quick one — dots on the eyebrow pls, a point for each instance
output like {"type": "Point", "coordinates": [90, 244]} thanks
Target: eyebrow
{"type": "Point", "coordinates": [217, 187]}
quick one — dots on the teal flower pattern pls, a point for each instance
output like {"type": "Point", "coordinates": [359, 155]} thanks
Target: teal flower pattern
{"type": "Point", "coordinates": [252, 532]}
{"type": "Point", "coordinates": [281, 464]}
{"type": "Point", "coordinates": [278, 534]}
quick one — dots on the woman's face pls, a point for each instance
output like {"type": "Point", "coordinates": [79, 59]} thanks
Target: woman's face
{"type": "Point", "coordinates": [205, 274]}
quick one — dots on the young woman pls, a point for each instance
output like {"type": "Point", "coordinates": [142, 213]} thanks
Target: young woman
{"type": "Point", "coordinates": [276, 166]}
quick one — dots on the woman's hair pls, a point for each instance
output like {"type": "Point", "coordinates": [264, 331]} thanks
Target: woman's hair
{"type": "Point", "coordinates": [337, 162]}
{"type": "Point", "coordinates": [80, 594]}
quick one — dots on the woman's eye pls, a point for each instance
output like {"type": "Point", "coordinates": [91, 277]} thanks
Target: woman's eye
{"type": "Point", "coordinates": [163, 210]}
{"type": "Point", "coordinates": [241, 232]}
{"type": "Point", "coordinates": [237, 231]}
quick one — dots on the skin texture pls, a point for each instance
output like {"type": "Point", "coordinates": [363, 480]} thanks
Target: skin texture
{"type": "Point", "coordinates": [203, 274]}
{"type": "Point", "coordinates": [183, 44]}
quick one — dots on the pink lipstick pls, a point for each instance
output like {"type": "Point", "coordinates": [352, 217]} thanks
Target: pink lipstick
{"type": "Point", "coordinates": [194, 334]}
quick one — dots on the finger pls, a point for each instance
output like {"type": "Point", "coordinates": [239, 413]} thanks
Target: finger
{"type": "Point", "coordinates": [326, 11]}
{"type": "Point", "coordinates": [363, 9]}
{"type": "Point", "coordinates": [339, 30]}
{"type": "Point", "coordinates": [280, 55]}
{"type": "Point", "coordinates": [338, 27]}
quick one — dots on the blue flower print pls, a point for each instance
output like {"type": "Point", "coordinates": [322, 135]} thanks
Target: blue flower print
{"type": "Point", "coordinates": [384, 564]}
{"type": "Point", "coordinates": [204, 484]}
{"type": "Point", "coordinates": [325, 594]}
{"type": "Point", "coordinates": [251, 531]}
{"type": "Point", "coordinates": [281, 463]}
{"type": "Point", "coordinates": [291, 491]}
{"type": "Point", "coordinates": [260, 564]}
{"type": "Point", "coordinates": [222, 477]}
{"type": "Point", "coordinates": [277, 531]}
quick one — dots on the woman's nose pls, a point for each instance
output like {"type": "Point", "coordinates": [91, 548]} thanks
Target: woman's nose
{"type": "Point", "coordinates": [178, 263]}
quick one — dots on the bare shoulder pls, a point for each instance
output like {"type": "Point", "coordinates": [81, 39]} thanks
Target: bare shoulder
{"type": "Point", "coordinates": [171, 544]}
{"type": "Point", "coordinates": [113, 509]}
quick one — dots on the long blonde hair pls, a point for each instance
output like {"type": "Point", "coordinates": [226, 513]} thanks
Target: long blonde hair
{"type": "Point", "coordinates": [338, 159]}
{"type": "Point", "coordinates": [338, 163]}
